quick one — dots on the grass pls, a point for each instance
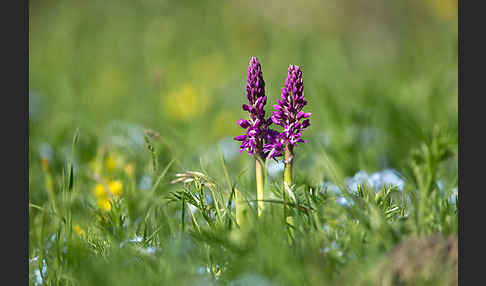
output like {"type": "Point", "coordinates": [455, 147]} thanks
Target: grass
{"type": "Point", "coordinates": [147, 93]}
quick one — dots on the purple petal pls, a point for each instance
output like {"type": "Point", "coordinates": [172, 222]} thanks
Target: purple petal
{"type": "Point", "coordinates": [302, 114]}
{"type": "Point", "coordinates": [305, 123]}
{"type": "Point", "coordinates": [244, 123]}
{"type": "Point", "coordinates": [240, 138]}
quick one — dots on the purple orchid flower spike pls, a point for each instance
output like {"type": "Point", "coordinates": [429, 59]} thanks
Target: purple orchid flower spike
{"type": "Point", "coordinates": [288, 114]}
{"type": "Point", "coordinates": [257, 131]}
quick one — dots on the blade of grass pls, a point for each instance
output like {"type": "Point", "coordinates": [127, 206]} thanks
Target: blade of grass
{"type": "Point", "coordinates": [161, 176]}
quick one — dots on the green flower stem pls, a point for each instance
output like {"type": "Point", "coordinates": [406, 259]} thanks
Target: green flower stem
{"type": "Point", "coordinates": [288, 160]}
{"type": "Point", "coordinates": [288, 169]}
{"type": "Point", "coordinates": [259, 183]}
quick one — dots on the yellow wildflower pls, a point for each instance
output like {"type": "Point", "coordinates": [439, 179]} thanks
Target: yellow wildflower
{"type": "Point", "coordinates": [110, 163]}
{"type": "Point", "coordinates": [104, 204]}
{"type": "Point", "coordinates": [77, 229]}
{"type": "Point", "coordinates": [185, 103]}
{"type": "Point", "coordinates": [99, 191]}
{"type": "Point", "coordinates": [116, 187]}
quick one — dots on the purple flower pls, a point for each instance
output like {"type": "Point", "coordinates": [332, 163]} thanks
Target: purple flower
{"type": "Point", "coordinates": [257, 131]}
{"type": "Point", "coordinates": [273, 147]}
{"type": "Point", "coordinates": [288, 114]}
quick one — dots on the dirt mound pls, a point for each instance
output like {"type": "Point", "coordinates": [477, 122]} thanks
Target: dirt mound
{"type": "Point", "coordinates": [424, 260]}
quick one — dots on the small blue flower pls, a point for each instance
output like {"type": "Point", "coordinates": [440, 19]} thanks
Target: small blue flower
{"type": "Point", "coordinates": [229, 148]}
{"type": "Point", "coordinates": [330, 187]}
{"type": "Point", "coordinates": [145, 183]}
{"type": "Point", "coordinates": [453, 198]}
{"type": "Point", "coordinates": [46, 151]}
{"type": "Point", "coordinates": [275, 168]}
{"type": "Point", "coordinates": [360, 178]}
{"type": "Point", "coordinates": [376, 180]}
{"type": "Point", "coordinates": [343, 201]}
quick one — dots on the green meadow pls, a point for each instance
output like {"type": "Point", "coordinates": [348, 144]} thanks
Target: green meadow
{"type": "Point", "coordinates": [135, 178]}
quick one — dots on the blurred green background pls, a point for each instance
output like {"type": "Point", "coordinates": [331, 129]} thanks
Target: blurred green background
{"type": "Point", "coordinates": [381, 82]}
{"type": "Point", "coordinates": [378, 75]}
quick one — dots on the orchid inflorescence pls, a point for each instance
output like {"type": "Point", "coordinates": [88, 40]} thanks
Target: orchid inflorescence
{"type": "Point", "coordinates": [288, 113]}
{"type": "Point", "coordinates": [260, 140]}
{"type": "Point", "coordinates": [256, 126]}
